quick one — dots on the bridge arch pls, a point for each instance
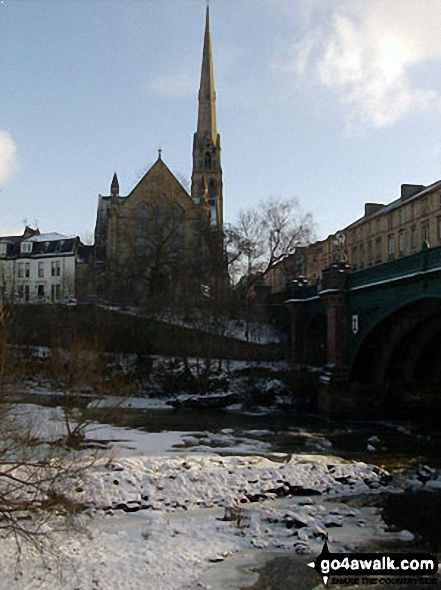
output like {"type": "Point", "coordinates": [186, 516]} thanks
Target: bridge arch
{"type": "Point", "coordinates": [403, 347]}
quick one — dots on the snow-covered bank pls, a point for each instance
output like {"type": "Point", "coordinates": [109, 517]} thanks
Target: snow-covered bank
{"type": "Point", "coordinates": [192, 511]}
{"type": "Point", "coordinates": [164, 511]}
{"type": "Point", "coordinates": [169, 483]}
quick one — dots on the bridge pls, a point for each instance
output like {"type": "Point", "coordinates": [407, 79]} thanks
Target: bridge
{"type": "Point", "coordinates": [379, 325]}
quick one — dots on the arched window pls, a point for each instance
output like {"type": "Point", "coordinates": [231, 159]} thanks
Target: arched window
{"type": "Point", "coordinates": [177, 233]}
{"type": "Point", "coordinates": [207, 160]}
{"type": "Point", "coordinates": [212, 188]}
{"type": "Point", "coordinates": [213, 211]}
{"type": "Point", "coordinates": [141, 236]}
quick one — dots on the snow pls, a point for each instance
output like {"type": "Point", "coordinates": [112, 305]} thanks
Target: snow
{"type": "Point", "coordinates": [49, 237]}
{"type": "Point", "coordinates": [160, 516]}
{"type": "Point", "coordinates": [138, 403]}
{"type": "Point", "coordinates": [169, 483]}
{"type": "Point", "coordinates": [192, 511]}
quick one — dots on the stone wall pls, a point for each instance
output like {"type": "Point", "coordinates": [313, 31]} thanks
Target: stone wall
{"type": "Point", "coordinates": [116, 331]}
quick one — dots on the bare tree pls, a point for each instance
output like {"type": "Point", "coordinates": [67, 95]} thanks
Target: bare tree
{"type": "Point", "coordinates": [263, 237]}
{"type": "Point", "coordinates": [211, 317]}
{"type": "Point", "coordinates": [32, 473]}
{"type": "Point", "coordinates": [164, 251]}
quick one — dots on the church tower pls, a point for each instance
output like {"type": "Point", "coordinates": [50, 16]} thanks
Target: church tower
{"type": "Point", "coordinates": [206, 179]}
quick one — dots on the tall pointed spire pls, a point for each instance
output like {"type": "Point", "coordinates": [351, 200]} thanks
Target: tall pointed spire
{"type": "Point", "coordinates": [114, 187]}
{"type": "Point", "coordinates": [207, 94]}
{"type": "Point", "coordinates": [207, 171]}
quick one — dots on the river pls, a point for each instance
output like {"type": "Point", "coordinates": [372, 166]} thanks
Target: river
{"type": "Point", "coordinates": [392, 445]}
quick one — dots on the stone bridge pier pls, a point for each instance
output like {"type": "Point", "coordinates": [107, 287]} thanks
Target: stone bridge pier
{"type": "Point", "coordinates": [319, 329]}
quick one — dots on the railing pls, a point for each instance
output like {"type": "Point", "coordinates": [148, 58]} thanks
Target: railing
{"type": "Point", "coordinates": [425, 260]}
{"type": "Point", "coordinates": [301, 292]}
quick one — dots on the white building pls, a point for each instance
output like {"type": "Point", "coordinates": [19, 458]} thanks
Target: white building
{"type": "Point", "coordinates": [38, 268]}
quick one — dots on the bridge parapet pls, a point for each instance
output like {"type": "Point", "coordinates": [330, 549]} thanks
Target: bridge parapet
{"type": "Point", "coordinates": [426, 260]}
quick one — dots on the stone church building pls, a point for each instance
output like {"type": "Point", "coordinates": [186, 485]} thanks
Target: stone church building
{"type": "Point", "coordinates": [159, 239]}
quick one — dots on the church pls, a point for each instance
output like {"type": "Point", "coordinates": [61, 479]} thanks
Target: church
{"type": "Point", "coordinates": [159, 239]}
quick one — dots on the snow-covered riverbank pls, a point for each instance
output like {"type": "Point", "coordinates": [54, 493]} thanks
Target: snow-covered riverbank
{"type": "Point", "coordinates": [162, 522]}
{"type": "Point", "coordinates": [165, 512]}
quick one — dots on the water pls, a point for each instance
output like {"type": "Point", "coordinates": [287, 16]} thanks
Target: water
{"type": "Point", "coordinates": [399, 445]}
{"type": "Point", "coordinates": [417, 512]}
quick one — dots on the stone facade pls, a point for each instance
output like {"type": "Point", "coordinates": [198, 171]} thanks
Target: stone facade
{"type": "Point", "coordinates": [159, 238]}
{"type": "Point", "coordinates": [385, 232]}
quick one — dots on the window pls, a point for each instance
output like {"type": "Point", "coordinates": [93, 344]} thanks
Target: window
{"type": "Point", "coordinates": [438, 222]}
{"type": "Point", "coordinates": [369, 252]}
{"type": "Point", "coordinates": [207, 160]}
{"type": "Point", "coordinates": [402, 242]}
{"type": "Point", "coordinates": [40, 291]}
{"type": "Point", "coordinates": [55, 292]}
{"type": "Point", "coordinates": [141, 238]}
{"type": "Point", "coordinates": [412, 211]}
{"type": "Point", "coordinates": [354, 257]}
{"type": "Point", "coordinates": [425, 234]}
{"type": "Point", "coordinates": [40, 269]}
{"type": "Point", "coordinates": [26, 247]}
{"type": "Point", "coordinates": [55, 268]}
{"type": "Point", "coordinates": [378, 250]}
{"type": "Point", "coordinates": [424, 206]}
{"type": "Point", "coordinates": [20, 270]}
{"type": "Point", "coordinates": [362, 255]}
{"type": "Point", "coordinates": [439, 199]}
{"type": "Point", "coordinates": [391, 245]}
{"type": "Point", "coordinates": [177, 234]}
{"type": "Point", "coordinates": [3, 249]}
{"type": "Point", "coordinates": [27, 269]}
{"type": "Point", "coordinates": [160, 215]}
{"type": "Point", "coordinates": [413, 237]}
{"type": "Point", "coordinates": [402, 216]}
{"type": "Point", "coordinates": [27, 293]}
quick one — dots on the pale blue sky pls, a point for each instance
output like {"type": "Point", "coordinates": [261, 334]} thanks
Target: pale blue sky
{"type": "Point", "coordinates": [336, 102]}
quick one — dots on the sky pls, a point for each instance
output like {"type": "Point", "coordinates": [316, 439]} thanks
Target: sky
{"type": "Point", "coordinates": [333, 102]}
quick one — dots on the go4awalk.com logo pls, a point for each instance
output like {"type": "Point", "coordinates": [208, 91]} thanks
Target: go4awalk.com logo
{"type": "Point", "coordinates": [389, 569]}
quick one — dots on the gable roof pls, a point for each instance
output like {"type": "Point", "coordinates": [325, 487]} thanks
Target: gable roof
{"type": "Point", "coordinates": [160, 174]}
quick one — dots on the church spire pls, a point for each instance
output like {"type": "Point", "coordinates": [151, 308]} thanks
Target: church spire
{"type": "Point", "coordinates": [207, 94]}
{"type": "Point", "coordinates": [207, 171]}
{"type": "Point", "coordinates": [114, 187]}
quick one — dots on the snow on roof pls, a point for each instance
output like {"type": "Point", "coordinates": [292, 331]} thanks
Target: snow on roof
{"type": "Point", "coordinates": [49, 237]}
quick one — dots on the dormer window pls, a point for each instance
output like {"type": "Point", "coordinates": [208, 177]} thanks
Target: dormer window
{"type": "Point", "coordinates": [26, 247]}
{"type": "Point", "coordinates": [3, 249]}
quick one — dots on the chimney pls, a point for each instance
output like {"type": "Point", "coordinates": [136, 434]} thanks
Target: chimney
{"type": "Point", "coordinates": [409, 190]}
{"type": "Point", "coordinates": [371, 208]}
